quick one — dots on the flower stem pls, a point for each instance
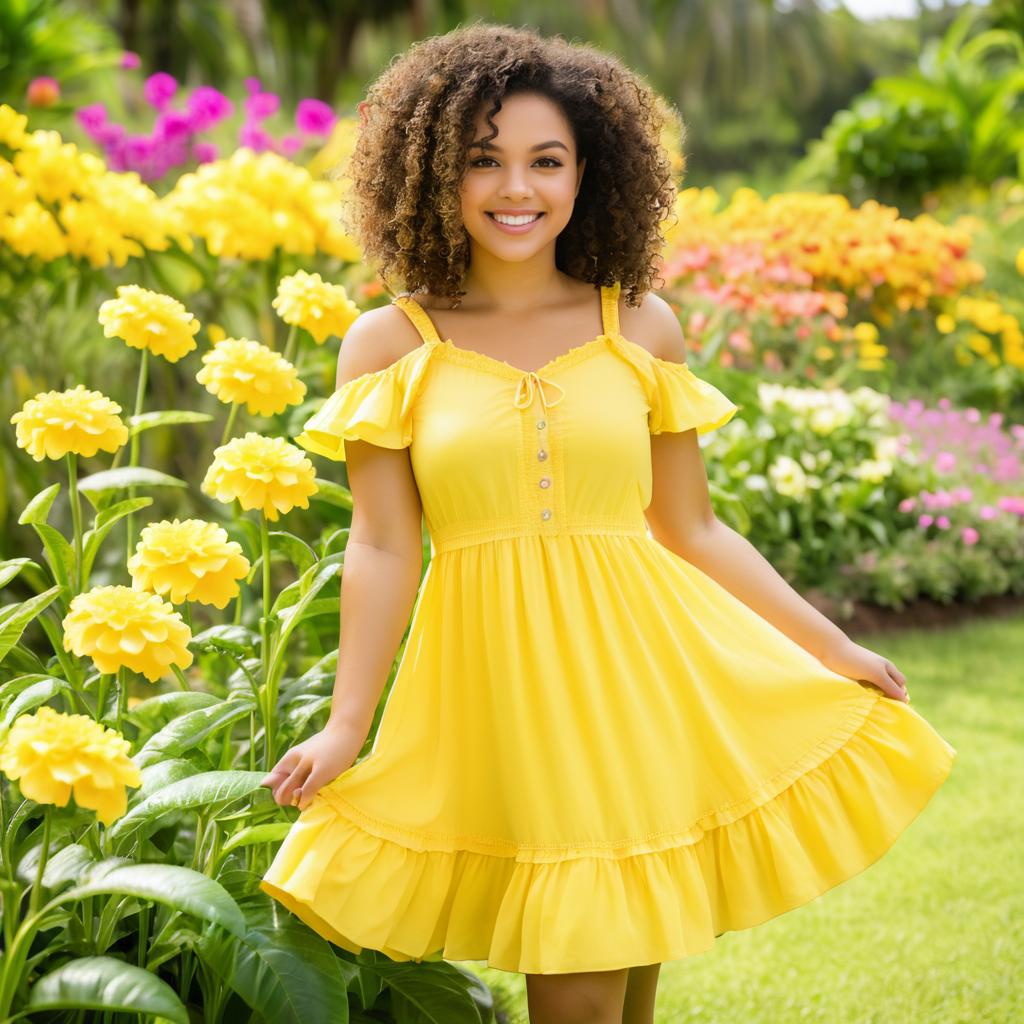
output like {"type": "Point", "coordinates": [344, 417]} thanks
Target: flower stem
{"type": "Point", "coordinates": [266, 655]}
{"type": "Point", "coordinates": [229, 424]}
{"type": "Point", "coordinates": [122, 696]}
{"type": "Point", "coordinates": [76, 518]}
{"type": "Point", "coordinates": [101, 696]}
{"type": "Point", "coordinates": [265, 549]}
{"type": "Point", "coordinates": [133, 461]}
{"type": "Point", "coordinates": [289, 345]}
{"type": "Point", "coordinates": [37, 887]}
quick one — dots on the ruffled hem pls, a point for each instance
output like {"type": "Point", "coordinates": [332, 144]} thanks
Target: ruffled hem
{"type": "Point", "coordinates": [531, 910]}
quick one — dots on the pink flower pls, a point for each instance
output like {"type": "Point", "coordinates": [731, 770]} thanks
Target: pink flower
{"type": "Point", "coordinates": [206, 106]}
{"type": "Point", "coordinates": [925, 521]}
{"type": "Point", "coordinates": [963, 493]}
{"type": "Point", "coordinates": [204, 152]}
{"type": "Point", "coordinates": [261, 105]}
{"type": "Point", "coordinates": [253, 136]}
{"type": "Point", "coordinates": [907, 505]}
{"type": "Point", "coordinates": [945, 462]}
{"type": "Point", "coordinates": [251, 84]}
{"type": "Point", "coordinates": [43, 91]}
{"type": "Point", "coordinates": [942, 522]}
{"type": "Point", "coordinates": [92, 119]}
{"type": "Point", "coordinates": [172, 124]}
{"type": "Point", "coordinates": [988, 512]}
{"type": "Point", "coordinates": [969, 535]}
{"type": "Point", "coordinates": [130, 60]}
{"type": "Point", "coordinates": [291, 144]}
{"type": "Point", "coordinates": [159, 89]}
{"type": "Point", "coordinates": [314, 117]}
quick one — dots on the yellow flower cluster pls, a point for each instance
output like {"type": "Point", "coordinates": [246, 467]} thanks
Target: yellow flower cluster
{"type": "Point", "coordinates": [249, 204]}
{"type": "Point", "coordinates": [145, 319]}
{"type": "Point", "coordinates": [240, 370]}
{"type": "Point", "coordinates": [53, 755]}
{"type": "Point", "coordinates": [56, 201]}
{"type": "Point", "coordinates": [991, 319]}
{"type": "Point", "coordinates": [265, 473]}
{"type": "Point", "coordinates": [122, 627]}
{"type": "Point", "coordinates": [857, 250]}
{"type": "Point", "coordinates": [309, 302]}
{"type": "Point", "coordinates": [188, 560]}
{"type": "Point", "coordinates": [78, 421]}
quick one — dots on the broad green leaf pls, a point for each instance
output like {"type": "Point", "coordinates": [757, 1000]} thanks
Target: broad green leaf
{"type": "Point", "coordinates": [104, 983]}
{"type": "Point", "coordinates": [195, 792]}
{"type": "Point", "coordinates": [13, 620]}
{"type": "Point", "coordinates": [10, 569]}
{"type": "Point", "coordinates": [226, 637]}
{"type": "Point", "coordinates": [37, 694]}
{"type": "Point", "coordinates": [105, 522]}
{"type": "Point", "coordinates": [192, 729]}
{"type": "Point", "coordinates": [67, 865]}
{"type": "Point", "coordinates": [180, 888]}
{"type": "Point", "coordinates": [159, 710]}
{"type": "Point", "coordinates": [286, 973]}
{"type": "Point", "coordinates": [301, 555]}
{"type": "Point", "coordinates": [38, 509]}
{"type": "Point", "coordinates": [127, 476]}
{"type": "Point", "coordinates": [168, 417]}
{"type": "Point", "coordinates": [332, 493]}
{"type": "Point", "coordinates": [254, 834]}
{"type": "Point", "coordinates": [59, 553]}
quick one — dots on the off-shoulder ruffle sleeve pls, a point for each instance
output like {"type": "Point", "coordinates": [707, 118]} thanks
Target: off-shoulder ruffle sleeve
{"type": "Point", "coordinates": [680, 400]}
{"type": "Point", "coordinates": [375, 407]}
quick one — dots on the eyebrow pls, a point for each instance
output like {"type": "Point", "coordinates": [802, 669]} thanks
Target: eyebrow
{"type": "Point", "coordinates": [485, 144]}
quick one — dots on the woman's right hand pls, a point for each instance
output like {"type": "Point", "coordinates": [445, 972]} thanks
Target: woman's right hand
{"type": "Point", "coordinates": [314, 762]}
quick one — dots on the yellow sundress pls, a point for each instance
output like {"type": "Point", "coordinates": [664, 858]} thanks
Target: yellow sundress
{"type": "Point", "coordinates": [593, 756]}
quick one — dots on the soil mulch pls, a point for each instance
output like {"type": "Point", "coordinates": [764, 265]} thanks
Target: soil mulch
{"type": "Point", "coordinates": [924, 613]}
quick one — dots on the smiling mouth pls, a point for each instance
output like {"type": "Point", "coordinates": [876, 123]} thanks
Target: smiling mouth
{"type": "Point", "coordinates": [536, 218]}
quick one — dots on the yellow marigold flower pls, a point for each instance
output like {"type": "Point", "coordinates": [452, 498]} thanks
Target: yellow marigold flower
{"type": "Point", "coordinates": [240, 370]}
{"type": "Point", "coordinates": [189, 560]}
{"type": "Point", "coordinates": [866, 332]}
{"type": "Point", "coordinates": [53, 755]}
{"type": "Point", "coordinates": [980, 343]}
{"type": "Point", "coordinates": [945, 324]}
{"type": "Point", "coordinates": [32, 231]}
{"type": "Point", "coordinates": [266, 473]}
{"type": "Point", "coordinates": [313, 304]}
{"type": "Point", "coordinates": [55, 423]}
{"type": "Point", "coordinates": [121, 627]}
{"type": "Point", "coordinates": [145, 319]}
{"type": "Point", "coordinates": [12, 126]}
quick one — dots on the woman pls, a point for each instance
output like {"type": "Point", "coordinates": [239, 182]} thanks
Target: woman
{"type": "Point", "coordinates": [615, 732]}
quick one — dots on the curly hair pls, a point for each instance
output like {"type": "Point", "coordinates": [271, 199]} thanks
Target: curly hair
{"type": "Point", "coordinates": [419, 118]}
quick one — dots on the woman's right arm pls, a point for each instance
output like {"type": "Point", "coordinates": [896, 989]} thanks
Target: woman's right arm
{"type": "Point", "coordinates": [379, 582]}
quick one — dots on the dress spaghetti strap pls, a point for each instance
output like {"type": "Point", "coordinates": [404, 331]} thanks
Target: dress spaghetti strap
{"type": "Point", "coordinates": [610, 308]}
{"type": "Point", "coordinates": [418, 315]}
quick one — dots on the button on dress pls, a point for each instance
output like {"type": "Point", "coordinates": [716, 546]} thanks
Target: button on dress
{"type": "Point", "coordinates": [593, 755]}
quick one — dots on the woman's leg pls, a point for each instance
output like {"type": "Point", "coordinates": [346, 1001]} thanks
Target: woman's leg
{"type": "Point", "coordinates": [641, 988]}
{"type": "Point", "coordinates": [585, 997]}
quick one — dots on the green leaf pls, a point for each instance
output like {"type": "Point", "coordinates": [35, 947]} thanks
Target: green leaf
{"type": "Point", "coordinates": [108, 984]}
{"type": "Point", "coordinates": [301, 555]}
{"type": "Point", "coordinates": [285, 972]}
{"type": "Point", "coordinates": [232, 639]}
{"type": "Point", "coordinates": [169, 417]}
{"type": "Point", "coordinates": [10, 569]}
{"type": "Point", "coordinates": [195, 792]}
{"type": "Point", "coordinates": [38, 509]}
{"type": "Point", "coordinates": [182, 889]}
{"type": "Point", "coordinates": [105, 521]}
{"type": "Point", "coordinates": [192, 729]}
{"type": "Point", "coordinates": [165, 706]}
{"type": "Point", "coordinates": [60, 556]}
{"type": "Point", "coordinates": [128, 476]}
{"type": "Point", "coordinates": [254, 834]}
{"type": "Point", "coordinates": [39, 693]}
{"type": "Point", "coordinates": [332, 493]}
{"type": "Point", "coordinates": [67, 865]}
{"type": "Point", "coordinates": [15, 618]}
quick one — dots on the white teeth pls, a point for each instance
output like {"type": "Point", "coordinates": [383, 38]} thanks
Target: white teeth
{"type": "Point", "coordinates": [505, 219]}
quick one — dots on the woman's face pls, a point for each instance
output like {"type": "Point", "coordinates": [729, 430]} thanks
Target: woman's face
{"type": "Point", "coordinates": [528, 168]}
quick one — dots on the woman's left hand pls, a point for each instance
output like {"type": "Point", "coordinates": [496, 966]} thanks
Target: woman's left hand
{"type": "Point", "coordinates": [856, 662]}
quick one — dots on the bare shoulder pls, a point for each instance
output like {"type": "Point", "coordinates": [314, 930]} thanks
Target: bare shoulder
{"type": "Point", "coordinates": [376, 339]}
{"type": "Point", "coordinates": [655, 326]}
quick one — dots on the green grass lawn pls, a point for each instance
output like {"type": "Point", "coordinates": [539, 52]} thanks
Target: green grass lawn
{"type": "Point", "coordinates": [930, 934]}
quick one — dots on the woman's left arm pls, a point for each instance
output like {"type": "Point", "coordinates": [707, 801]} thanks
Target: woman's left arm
{"type": "Point", "coordinates": [682, 519]}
